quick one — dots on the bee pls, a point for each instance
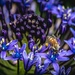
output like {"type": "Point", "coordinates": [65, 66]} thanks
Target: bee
{"type": "Point", "coordinates": [53, 42]}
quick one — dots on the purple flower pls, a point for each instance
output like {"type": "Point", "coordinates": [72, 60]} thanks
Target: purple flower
{"type": "Point", "coordinates": [72, 19]}
{"type": "Point", "coordinates": [50, 5]}
{"type": "Point", "coordinates": [27, 3]}
{"type": "Point", "coordinates": [57, 10]}
{"type": "Point", "coordinates": [73, 31]}
{"type": "Point", "coordinates": [62, 71]}
{"type": "Point", "coordinates": [44, 48]}
{"type": "Point", "coordinates": [40, 69]}
{"type": "Point", "coordinates": [53, 58]}
{"type": "Point", "coordinates": [63, 26]}
{"type": "Point", "coordinates": [65, 18]}
{"type": "Point", "coordinates": [31, 43]}
{"type": "Point", "coordinates": [29, 60]}
{"type": "Point", "coordinates": [71, 44]}
{"type": "Point", "coordinates": [6, 47]}
{"type": "Point", "coordinates": [17, 54]}
{"type": "Point", "coordinates": [34, 48]}
{"type": "Point", "coordinates": [66, 14]}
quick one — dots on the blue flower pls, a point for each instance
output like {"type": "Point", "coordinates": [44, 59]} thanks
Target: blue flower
{"type": "Point", "coordinates": [49, 5]}
{"type": "Point", "coordinates": [62, 71]}
{"type": "Point", "coordinates": [44, 48]}
{"type": "Point", "coordinates": [6, 47]}
{"type": "Point", "coordinates": [57, 10]}
{"type": "Point", "coordinates": [73, 31]}
{"type": "Point", "coordinates": [40, 68]}
{"type": "Point", "coordinates": [53, 58]}
{"type": "Point", "coordinates": [72, 19]}
{"type": "Point", "coordinates": [17, 54]}
{"type": "Point", "coordinates": [71, 44]}
{"type": "Point", "coordinates": [65, 18]}
{"type": "Point", "coordinates": [31, 43]}
{"type": "Point", "coordinates": [34, 48]}
{"type": "Point", "coordinates": [29, 60]}
{"type": "Point", "coordinates": [27, 3]}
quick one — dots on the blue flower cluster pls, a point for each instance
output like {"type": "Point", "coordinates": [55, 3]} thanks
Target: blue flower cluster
{"type": "Point", "coordinates": [51, 55]}
{"type": "Point", "coordinates": [53, 7]}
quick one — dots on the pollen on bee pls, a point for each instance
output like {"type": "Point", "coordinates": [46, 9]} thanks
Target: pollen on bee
{"type": "Point", "coordinates": [46, 44]}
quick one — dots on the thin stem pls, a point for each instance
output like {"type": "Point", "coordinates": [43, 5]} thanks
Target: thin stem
{"type": "Point", "coordinates": [18, 67]}
{"type": "Point", "coordinates": [25, 73]}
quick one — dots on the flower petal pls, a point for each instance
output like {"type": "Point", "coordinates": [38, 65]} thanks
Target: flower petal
{"type": "Point", "coordinates": [3, 54]}
{"type": "Point", "coordinates": [54, 73]}
{"type": "Point", "coordinates": [11, 44]}
{"type": "Point", "coordinates": [23, 48]}
{"type": "Point", "coordinates": [55, 66]}
{"type": "Point", "coordinates": [73, 31]}
{"type": "Point", "coordinates": [44, 69]}
{"type": "Point", "coordinates": [68, 71]}
{"type": "Point", "coordinates": [66, 53]}
{"type": "Point", "coordinates": [69, 52]}
{"type": "Point", "coordinates": [44, 48]}
{"type": "Point", "coordinates": [69, 42]}
{"type": "Point", "coordinates": [25, 55]}
{"type": "Point", "coordinates": [10, 58]}
{"type": "Point", "coordinates": [42, 55]}
{"type": "Point", "coordinates": [63, 58]}
{"type": "Point", "coordinates": [47, 61]}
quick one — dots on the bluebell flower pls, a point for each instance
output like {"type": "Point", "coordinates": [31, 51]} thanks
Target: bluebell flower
{"type": "Point", "coordinates": [62, 71]}
{"type": "Point", "coordinates": [34, 48]}
{"type": "Point", "coordinates": [72, 19]}
{"type": "Point", "coordinates": [57, 10]}
{"type": "Point", "coordinates": [63, 26]}
{"type": "Point", "coordinates": [71, 44]}
{"type": "Point", "coordinates": [65, 18]}
{"type": "Point", "coordinates": [73, 31]}
{"type": "Point", "coordinates": [40, 68]}
{"type": "Point", "coordinates": [53, 58]}
{"type": "Point", "coordinates": [6, 47]}
{"type": "Point", "coordinates": [17, 54]}
{"type": "Point", "coordinates": [44, 48]}
{"type": "Point", "coordinates": [31, 43]}
{"type": "Point", "coordinates": [50, 4]}
{"type": "Point", "coordinates": [64, 15]}
{"type": "Point", "coordinates": [40, 49]}
{"type": "Point", "coordinates": [29, 60]}
{"type": "Point", "coordinates": [27, 3]}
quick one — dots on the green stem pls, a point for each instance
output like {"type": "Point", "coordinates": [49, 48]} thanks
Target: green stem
{"type": "Point", "coordinates": [18, 67]}
{"type": "Point", "coordinates": [25, 73]}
